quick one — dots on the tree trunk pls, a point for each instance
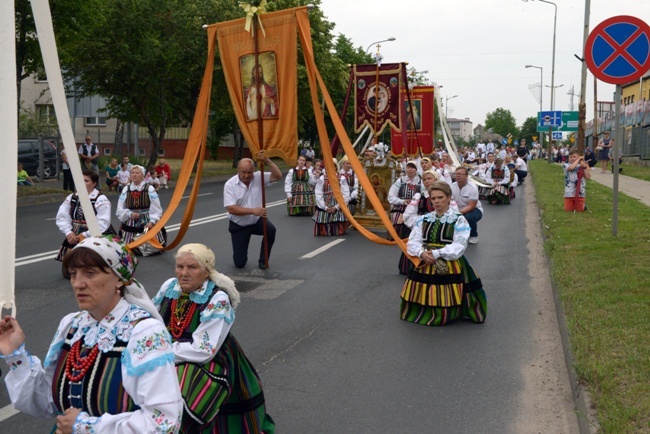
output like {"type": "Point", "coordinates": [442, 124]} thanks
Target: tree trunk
{"type": "Point", "coordinates": [119, 140]}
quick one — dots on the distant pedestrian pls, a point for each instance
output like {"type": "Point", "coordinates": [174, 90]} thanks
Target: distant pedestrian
{"type": "Point", "coordinates": [604, 144]}
{"type": "Point", "coordinates": [23, 177]}
{"type": "Point", "coordinates": [68, 182]}
{"type": "Point", "coordinates": [89, 154]}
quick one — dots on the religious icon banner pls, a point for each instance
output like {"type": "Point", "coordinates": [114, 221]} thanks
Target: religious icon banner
{"type": "Point", "coordinates": [377, 96]}
{"type": "Point", "coordinates": [418, 132]}
{"type": "Point", "coordinates": [277, 88]}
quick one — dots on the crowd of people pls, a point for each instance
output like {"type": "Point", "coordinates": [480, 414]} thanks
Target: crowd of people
{"type": "Point", "coordinates": [128, 363]}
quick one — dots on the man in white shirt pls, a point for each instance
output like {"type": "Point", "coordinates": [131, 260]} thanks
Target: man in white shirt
{"type": "Point", "coordinates": [521, 168]}
{"type": "Point", "coordinates": [242, 197]}
{"type": "Point", "coordinates": [89, 154]}
{"type": "Point", "coordinates": [466, 196]}
{"type": "Point", "coordinates": [490, 147]}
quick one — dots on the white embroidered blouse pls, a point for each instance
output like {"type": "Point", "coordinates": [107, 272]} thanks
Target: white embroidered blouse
{"type": "Point", "coordinates": [148, 373]}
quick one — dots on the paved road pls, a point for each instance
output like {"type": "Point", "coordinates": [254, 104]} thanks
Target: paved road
{"type": "Point", "coordinates": [325, 335]}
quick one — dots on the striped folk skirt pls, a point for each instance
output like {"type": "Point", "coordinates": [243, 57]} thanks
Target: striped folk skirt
{"type": "Point", "coordinates": [499, 195]}
{"type": "Point", "coordinates": [239, 402]}
{"type": "Point", "coordinates": [302, 200]}
{"type": "Point", "coordinates": [329, 224]}
{"type": "Point", "coordinates": [434, 299]}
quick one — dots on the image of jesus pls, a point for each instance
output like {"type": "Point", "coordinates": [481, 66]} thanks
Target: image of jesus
{"type": "Point", "coordinates": [269, 107]}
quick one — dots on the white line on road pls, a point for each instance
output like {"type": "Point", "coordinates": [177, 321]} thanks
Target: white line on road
{"type": "Point", "coordinates": [45, 256]}
{"type": "Point", "coordinates": [7, 412]}
{"type": "Point", "coordinates": [322, 249]}
{"type": "Point", "coordinates": [198, 195]}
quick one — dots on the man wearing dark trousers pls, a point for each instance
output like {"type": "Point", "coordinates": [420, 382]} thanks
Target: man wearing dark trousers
{"type": "Point", "coordinates": [242, 197]}
{"type": "Point", "coordinates": [466, 196]}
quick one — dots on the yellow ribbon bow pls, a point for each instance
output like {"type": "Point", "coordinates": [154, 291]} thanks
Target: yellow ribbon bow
{"type": "Point", "coordinates": [251, 12]}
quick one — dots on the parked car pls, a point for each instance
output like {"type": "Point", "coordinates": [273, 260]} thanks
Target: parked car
{"type": "Point", "coordinates": [28, 155]}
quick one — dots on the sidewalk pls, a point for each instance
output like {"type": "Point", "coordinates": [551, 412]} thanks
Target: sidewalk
{"type": "Point", "coordinates": [633, 187]}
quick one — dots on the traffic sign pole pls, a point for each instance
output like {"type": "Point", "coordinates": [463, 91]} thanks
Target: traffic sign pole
{"type": "Point", "coordinates": [619, 139]}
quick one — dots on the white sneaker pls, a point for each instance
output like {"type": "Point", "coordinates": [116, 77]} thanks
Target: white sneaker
{"type": "Point", "coordinates": [473, 240]}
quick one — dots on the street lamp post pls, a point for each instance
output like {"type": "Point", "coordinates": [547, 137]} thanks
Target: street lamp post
{"type": "Point", "coordinates": [550, 131]}
{"type": "Point", "coordinates": [390, 39]}
{"type": "Point", "coordinates": [541, 98]}
{"type": "Point", "coordinates": [553, 89]}
{"type": "Point", "coordinates": [447, 98]}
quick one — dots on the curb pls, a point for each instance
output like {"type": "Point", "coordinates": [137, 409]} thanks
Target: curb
{"type": "Point", "coordinates": [586, 415]}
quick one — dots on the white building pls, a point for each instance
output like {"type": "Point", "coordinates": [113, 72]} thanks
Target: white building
{"type": "Point", "coordinates": [460, 128]}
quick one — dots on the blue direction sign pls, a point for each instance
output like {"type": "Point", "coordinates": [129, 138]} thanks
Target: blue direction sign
{"type": "Point", "coordinates": [557, 135]}
{"type": "Point", "coordinates": [549, 119]}
{"type": "Point", "coordinates": [617, 51]}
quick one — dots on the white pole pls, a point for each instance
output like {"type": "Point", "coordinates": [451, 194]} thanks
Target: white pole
{"type": "Point", "coordinates": [9, 127]}
{"type": "Point", "coordinates": [45, 31]}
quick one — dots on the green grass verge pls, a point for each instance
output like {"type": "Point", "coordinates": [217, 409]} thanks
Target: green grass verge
{"type": "Point", "coordinates": [604, 285]}
{"type": "Point", "coordinates": [640, 172]}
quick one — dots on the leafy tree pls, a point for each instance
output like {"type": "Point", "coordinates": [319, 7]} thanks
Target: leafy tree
{"type": "Point", "coordinates": [145, 57]}
{"type": "Point", "coordinates": [33, 125]}
{"type": "Point", "coordinates": [28, 52]}
{"type": "Point", "coordinates": [528, 130]}
{"type": "Point", "coordinates": [501, 121]}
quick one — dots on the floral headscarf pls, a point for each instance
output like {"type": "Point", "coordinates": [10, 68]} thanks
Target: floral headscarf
{"type": "Point", "coordinates": [123, 263]}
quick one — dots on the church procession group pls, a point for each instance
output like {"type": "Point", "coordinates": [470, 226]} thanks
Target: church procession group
{"type": "Point", "coordinates": [433, 204]}
{"type": "Point", "coordinates": [110, 367]}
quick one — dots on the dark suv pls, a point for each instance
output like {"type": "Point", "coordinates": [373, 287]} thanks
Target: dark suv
{"type": "Point", "coordinates": [28, 155]}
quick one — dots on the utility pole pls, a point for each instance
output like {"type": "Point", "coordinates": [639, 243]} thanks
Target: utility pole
{"type": "Point", "coordinates": [582, 108]}
{"type": "Point", "coordinates": [572, 93]}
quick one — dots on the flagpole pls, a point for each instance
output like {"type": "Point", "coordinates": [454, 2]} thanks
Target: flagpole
{"type": "Point", "coordinates": [260, 138]}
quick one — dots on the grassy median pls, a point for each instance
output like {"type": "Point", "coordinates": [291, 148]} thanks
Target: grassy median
{"type": "Point", "coordinates": [604, 285]}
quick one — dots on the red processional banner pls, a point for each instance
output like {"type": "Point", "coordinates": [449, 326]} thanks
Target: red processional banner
{"type": "Point", "coordinates": [418, 136]}
{"type": "Point", "coordinates": [377, 96]}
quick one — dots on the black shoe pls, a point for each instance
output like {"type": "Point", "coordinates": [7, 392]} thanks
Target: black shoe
{"type": "Point", "coordinates": [261, 265]}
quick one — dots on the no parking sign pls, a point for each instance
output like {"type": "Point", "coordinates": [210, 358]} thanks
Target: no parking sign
{"type": "Point", "coordinates": [617, 51]}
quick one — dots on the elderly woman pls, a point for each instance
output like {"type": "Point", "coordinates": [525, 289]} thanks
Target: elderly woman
{"type": "Point", "coordinates": [444, 287]}
{"type": "Point", "coordinates": [300, 195]}
{"type": "Point", "coordinates": [110, 366]}
{"type": "Point", "coordinates": [71, 221]}
{"type": "Point", "coordinates": [222, 391]}
{"type": "Point", "coordinates": [139, 207]}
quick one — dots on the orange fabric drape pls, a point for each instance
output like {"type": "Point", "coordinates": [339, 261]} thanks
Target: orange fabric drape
{"type": "Point", "coordinates": [278, 59]}
{"type": "Point", "coordinates": [314, 77]}
{"type": "Point", "coordinates": [195, 150]}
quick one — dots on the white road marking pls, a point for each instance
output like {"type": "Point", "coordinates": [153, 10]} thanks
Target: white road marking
{"type": "Point", "coordinates": [322, 249]}
{"type": "Point", "coordinates": [45, 256]}
{"type": "Point", "coordinates": [7, 412]}
{"type": "Point", "coordinates": [198, 195]}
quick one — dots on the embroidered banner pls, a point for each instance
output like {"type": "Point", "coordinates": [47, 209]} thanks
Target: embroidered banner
{"type": "Point", "coordinates": [418, 134]}
{"type": "Point", "coordinates": [377, 98]}
{"type": "Point", "coordinates": [277, 71]}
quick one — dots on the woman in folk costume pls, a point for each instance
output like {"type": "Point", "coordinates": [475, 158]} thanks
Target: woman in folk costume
{"type": "Point", "coordinates": [499, 177]}
{"type": "Point", "coordinates": [110, 367]}
{"type": "Point", "coordinates": [300, 195]}
{"type": "Point", "coordinates": [328, 219]}
{"type": "Point", "coordinates": [70, 218]}
{"type": "Point", "coordinates": [222, 392]}
{"type": "Point", "coordinates": [399, 196]}
{"type": "Point", "coordinates": [444, 287]}
{"type": "Point", "coordinates": [139, 208]}
{"type": "Point", "coordinates": [353, 183]}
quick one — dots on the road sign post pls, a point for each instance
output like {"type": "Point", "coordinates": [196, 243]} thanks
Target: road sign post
{"type": "Point", "coordinates": [617, 51]}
